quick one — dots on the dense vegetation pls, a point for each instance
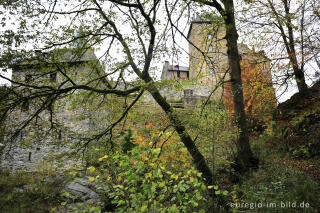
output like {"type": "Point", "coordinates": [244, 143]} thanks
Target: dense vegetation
{"type": "Point", "coordinates": [244, 155]}
{"type": "Point", "coordinates": [149, 170]}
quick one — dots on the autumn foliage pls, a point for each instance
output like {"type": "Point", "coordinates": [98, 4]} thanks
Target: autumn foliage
{"type": "Point", "coordinates": [259, 95]}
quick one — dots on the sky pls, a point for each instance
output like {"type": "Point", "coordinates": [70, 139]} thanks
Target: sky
{"type": "Point", "coordinates": [182, 57]}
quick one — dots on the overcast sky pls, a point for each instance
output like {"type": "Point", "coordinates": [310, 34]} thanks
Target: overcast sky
{"type": "Point", "coordinates": [182, 57]}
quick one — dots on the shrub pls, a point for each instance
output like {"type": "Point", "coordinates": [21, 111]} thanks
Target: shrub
{"type": "Point", "coordinates": [139, 182]}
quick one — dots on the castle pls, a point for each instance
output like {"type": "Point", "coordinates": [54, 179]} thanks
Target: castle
{"type": "Point", "coordinates": [77, 117]}
{"type": "Point", "coordinates": [51, 124]}
{"type": "Point", "coordinates": [208, 63]}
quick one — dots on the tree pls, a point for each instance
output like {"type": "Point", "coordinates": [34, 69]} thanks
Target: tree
{"type": "Point", "coordinates": [135, 52]}
{"type": "Point", "coordinates": [289, 28]}
{"type": "Point", "coordinates": [245, 158]}
{"type": "Point", "coordinates": [126, 53]}
{"type": "Point", "coordinates": [259, 94]}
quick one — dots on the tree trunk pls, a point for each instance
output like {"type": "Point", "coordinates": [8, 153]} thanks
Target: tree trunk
{"type": "Point", "coordinates": [245, 158]}
{"type": "Point", "coordinates": [298, 72]}
{"type": "Point", "coordinates": [186, 139]}
{"type": "Point", "coordinates": [289, 43]}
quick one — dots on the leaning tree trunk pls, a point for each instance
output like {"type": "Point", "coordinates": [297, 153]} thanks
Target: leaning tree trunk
{"type": "Point", "coordinates": [185, 138]}
{"type": "Point", "coordinates": [198, 159]}
{"type": "Point", "coordinates": [245, 158]}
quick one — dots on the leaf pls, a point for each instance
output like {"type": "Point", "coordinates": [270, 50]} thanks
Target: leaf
{"type": "Point", "coordinates": [65, 194]}
{"type": "Point", "coordinates": [156, 151]}
{"type": "Point", "coordinates": [143, 208]}
{"type": "Point", "coordinates": [91, 169]}
{"type": "Point", "coordinates": [91, 179]}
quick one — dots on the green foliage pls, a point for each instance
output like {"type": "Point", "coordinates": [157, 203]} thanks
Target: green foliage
{"type": "Point", "coordinates": [216, 135]}
{"type": "Point", "coordinates": [26, 192]}
{"type": "Point", "coordinates": [278, 184]}
{"type": "Point", "coordinates": [275, 182]}
{"type": "Point", "coordinates": [128, 144]}
{"type": "Point", "coordinates": [139, 182]}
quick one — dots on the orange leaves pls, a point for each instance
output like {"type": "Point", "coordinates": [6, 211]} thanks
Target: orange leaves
{"type": "Point", "coordinates": [259, 95]}
{"type": "Point", "coordinates": [149, 125]}
{"type": "Point", "coordinates": [139, 140]}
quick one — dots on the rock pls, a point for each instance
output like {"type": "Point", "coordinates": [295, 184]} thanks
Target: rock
{"type": "Point", "coordinates": [87, 194]}
{"type": "Point", "coordinates": [80, 188]}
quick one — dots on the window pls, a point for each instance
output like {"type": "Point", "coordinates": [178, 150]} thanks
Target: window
{"type": "Point", "coordinates": [188, 92]}
{"type": "Point", "coordinates": [212, 72]}
{"type": "Point", "coordinates": [210, 49]}
{"type": "Point", "coordinates": [28, 77]}
{"type": "Point", "coordinates": [210, 60]}
{"type": "Point", "coordinates": [178, 74]}
{"type": "Point", "coordinates": [53, 76]}
{"type": "Point", "coordinates": [60, 134]}
{"type": "Point", "coordinates": [25, 106]}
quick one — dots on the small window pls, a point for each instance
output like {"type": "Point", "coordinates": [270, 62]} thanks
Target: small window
{"type": "Point", "coordinates": [25, 106]}
{"type": "Point", "coordinates": [178, 74]}
{"type": "Point", "coordinates": [210, 49]}
{"type": "Point", "coordinates": [53, 76]}
{"type": "Point", "coordinates": [60, 134]}
{"type": "Point", "coordinates": [188, 92]}
{"type": "Point", "coordinates": [28, 77]}
{"type": "Point", "coordinates": [212, 72]}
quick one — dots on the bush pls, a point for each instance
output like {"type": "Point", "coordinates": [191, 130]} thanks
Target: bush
{"type": "Point", "coordinates": [139, 182]}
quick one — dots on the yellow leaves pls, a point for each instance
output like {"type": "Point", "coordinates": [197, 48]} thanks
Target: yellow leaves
{"type": "Point", "coordinates": [143, 208]}
{"type": "Point", "coordinates": [149, 174]}
{"type": "Point", "coordinates": [174, 177]}
{"type": "Point", "coordinates": [101, 159]}
{"type": "Point", "coordinates": [119, 178]}
{"type": "Point", "coordinates": [91, 169]}
{"type": "Point", "coordinates": [91, 179]}
{"type": "Point", "coordinates": [156, 151]}
{"type": "Point", "coordinates": [119, 186]}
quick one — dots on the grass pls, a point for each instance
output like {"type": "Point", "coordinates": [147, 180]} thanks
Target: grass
{"type": "Point", "coordinates": [27, 193]}
{"type": "Point", "coordinates": [276, 184]}
{"type": "Point", "coordinates": [273, 183]}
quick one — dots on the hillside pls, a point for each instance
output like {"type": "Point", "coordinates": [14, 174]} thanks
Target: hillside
{"type": "Point", "coordinates": [298, 124]}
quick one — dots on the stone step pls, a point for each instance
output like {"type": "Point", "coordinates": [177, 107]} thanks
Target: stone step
{"type": "Point", "coordinates": [177, 105]}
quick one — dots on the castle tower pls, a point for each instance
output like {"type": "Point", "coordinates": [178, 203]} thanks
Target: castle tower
{"type": "Point", "coordinates": [207, 52]}
{"type": "Point", "coordinates": [209, 66]}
